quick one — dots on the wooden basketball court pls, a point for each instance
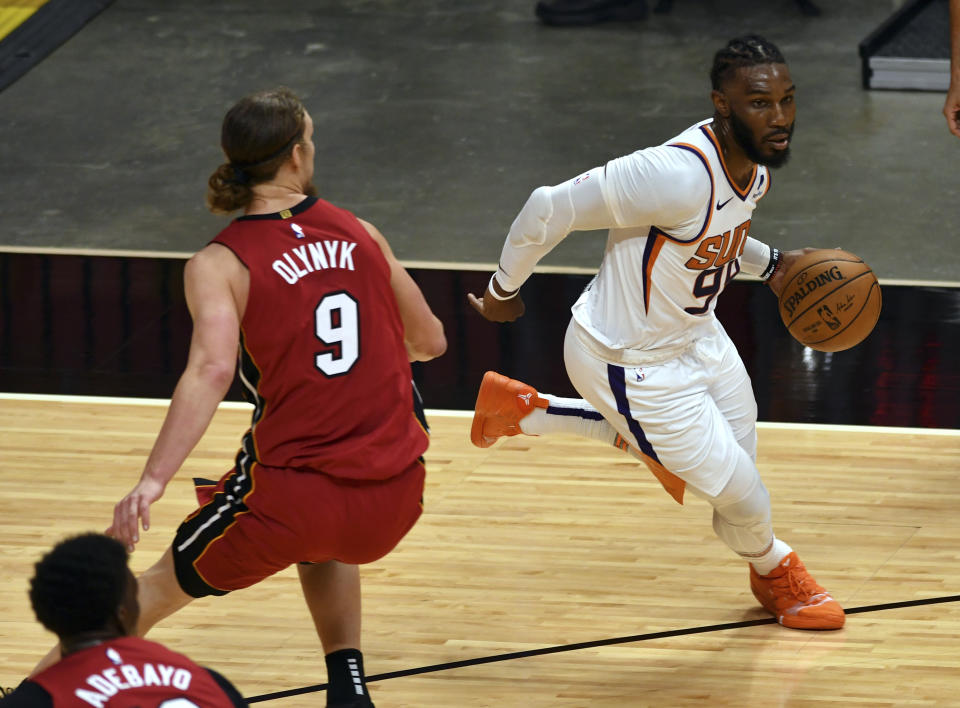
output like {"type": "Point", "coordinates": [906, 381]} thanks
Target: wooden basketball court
{"type": "Point", "coordinates": [544, 572]}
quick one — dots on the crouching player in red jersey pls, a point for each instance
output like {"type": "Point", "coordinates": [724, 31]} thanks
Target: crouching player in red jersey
{"type": "Point", "coordinates": [326, 320]}
{"type": "Point", "coordinates": [84, 593]}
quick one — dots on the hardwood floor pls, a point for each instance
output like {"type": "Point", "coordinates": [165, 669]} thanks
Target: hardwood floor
{"type": "Point", "coordinates": [531, 546]}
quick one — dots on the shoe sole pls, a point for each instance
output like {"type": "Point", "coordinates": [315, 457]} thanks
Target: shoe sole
{"type": "Point", "coordinates": [797, 621]}
{"type": "Point", "coordinates": [511, 388]}
{"type": "Point", "coordinates": [476, 428]}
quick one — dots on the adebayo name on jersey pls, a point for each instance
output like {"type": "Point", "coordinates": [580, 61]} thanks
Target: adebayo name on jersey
{"type": "Point", "coordinates": [313, 256]}
{"type": "Point", "coordinates": [809, 285]}
{"type": "Point", "coordinates": [109, 682]}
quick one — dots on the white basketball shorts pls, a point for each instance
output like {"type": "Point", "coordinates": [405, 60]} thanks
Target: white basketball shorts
{"type": "Point", "coordinates": [689, 413]}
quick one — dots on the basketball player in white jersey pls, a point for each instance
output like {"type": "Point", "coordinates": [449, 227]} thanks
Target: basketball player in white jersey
{"type": "Point", "coordinates": [659, 375]}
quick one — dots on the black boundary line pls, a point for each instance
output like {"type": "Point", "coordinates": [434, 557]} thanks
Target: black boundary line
{"type": "Point", "coordinates": [589, 645]}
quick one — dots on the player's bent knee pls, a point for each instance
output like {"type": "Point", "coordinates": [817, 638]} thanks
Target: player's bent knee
{"type": "Point", "coordinates": [741, 516]}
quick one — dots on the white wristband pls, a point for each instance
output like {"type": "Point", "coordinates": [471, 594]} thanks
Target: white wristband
{"type": "Point", "coordinates": [755, 258]}
{"type": "Point", "coordinates": [493, 291]}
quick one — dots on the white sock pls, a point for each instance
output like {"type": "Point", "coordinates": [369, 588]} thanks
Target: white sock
{"type": "Point", "coordinates": [573, 416]}
{"type": "Point", "coordinates": [771, 559]}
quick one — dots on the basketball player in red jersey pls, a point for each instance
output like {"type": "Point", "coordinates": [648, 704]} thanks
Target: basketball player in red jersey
{"type": "Point", "coordinates": [84, 593]}
{"type": "Point", "coordinates": [326, 321]}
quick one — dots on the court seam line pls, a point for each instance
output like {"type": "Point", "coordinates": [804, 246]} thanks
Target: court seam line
{"type": "Point", "coordinates": [450, 413]}
{"type": "Point", "coordinates": [433, 668]}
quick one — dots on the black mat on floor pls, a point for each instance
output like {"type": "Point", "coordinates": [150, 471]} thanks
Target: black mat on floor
{"type": "Point", "coordinates": [924, 36]}
{"type": "Point", "coordinates": [918, 30]}
{"type": "Point", "coordinates": [45, 30]}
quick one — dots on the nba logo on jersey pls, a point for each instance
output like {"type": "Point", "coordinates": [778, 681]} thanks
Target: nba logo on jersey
{"type": "Point", "coordinates": [114, 656]}
{"type": "Point", "coordinates": [297, 230]}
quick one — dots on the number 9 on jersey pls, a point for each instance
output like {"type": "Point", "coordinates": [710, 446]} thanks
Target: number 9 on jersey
{"type": "Point", "coordinates": [337, 325]}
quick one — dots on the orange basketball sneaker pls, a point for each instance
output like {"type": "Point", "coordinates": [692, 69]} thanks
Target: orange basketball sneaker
{"type": "Point", "coordinates": [501, 404]}
{"type": "Point", "coordinates": [791, 595]}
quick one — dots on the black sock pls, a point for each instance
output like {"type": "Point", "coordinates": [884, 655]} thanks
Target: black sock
{"type": "Point", "coordinates": [345, 678]}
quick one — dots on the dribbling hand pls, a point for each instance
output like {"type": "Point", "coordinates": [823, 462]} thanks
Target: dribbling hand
{"type": "Point", "coordinates": [133, 508]}
{"type": "Point", "coordinates": [787, 259]}
{"type": "Point", "coordinates": [497, 310]}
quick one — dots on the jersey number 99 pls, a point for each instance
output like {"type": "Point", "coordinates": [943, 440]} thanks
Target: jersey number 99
{"type": "Point", "coordinates": [709, 290]}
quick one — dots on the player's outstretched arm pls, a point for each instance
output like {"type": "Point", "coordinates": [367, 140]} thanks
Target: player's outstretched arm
{"type": "Point", "coordinates": [548, 216]}
{"type": "Point", "coordinates": [422, 331]}
{"type": "Point", "coordinates": [213, 279]}
{"type": "Point", "coordinates": [951, 107]}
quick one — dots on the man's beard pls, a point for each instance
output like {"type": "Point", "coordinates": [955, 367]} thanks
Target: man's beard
{"type": "Point", "coordinates": [310, 189]}
{"type": "Point", "coordinates": [744, 138]}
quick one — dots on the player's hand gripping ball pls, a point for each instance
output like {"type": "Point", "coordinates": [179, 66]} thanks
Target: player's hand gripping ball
{"type": "Point", "coordinates": [830, 300]}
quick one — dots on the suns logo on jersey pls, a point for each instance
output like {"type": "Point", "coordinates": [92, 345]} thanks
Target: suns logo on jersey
{"type": "Point", "coordinates": [715, 251]}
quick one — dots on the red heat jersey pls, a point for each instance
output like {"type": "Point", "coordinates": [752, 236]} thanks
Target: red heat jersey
{"type": "Point", "coordinates": [130, 672]}
{"type": "Point", "coordinates": [322, 356]}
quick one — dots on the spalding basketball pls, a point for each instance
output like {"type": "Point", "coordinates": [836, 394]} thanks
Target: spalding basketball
{"type": "Point", "coordinates": [830, 300]}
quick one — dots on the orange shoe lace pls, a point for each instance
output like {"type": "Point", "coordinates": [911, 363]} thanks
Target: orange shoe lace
{"type": "Point", "coordinates": [799, 583]}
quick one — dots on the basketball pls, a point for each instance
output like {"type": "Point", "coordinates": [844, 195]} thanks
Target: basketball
{"type": "Point", "coordinates": [830, 300]}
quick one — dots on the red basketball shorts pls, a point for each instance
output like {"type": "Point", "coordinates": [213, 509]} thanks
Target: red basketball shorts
{"type": "Point", "coordinates": [258, 520]}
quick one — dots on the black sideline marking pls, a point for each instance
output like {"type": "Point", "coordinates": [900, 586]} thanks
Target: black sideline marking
{"type": "Point", "coordinates": [590, 645]}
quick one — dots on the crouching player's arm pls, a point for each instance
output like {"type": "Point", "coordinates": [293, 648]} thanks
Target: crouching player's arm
{"type": "Point", "coordinates": [216, 284]}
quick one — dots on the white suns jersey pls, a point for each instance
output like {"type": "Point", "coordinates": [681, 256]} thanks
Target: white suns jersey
{"type": "Point", "coordinates": [681, 225]}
